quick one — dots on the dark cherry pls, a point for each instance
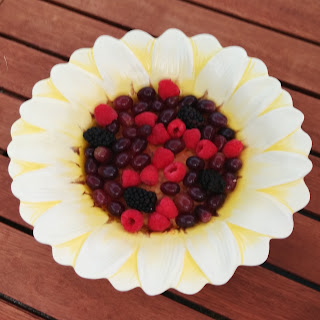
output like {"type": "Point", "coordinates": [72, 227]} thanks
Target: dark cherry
{"type": "Point", "coordinates": [175, 145]}
{"type": "Point", "coordinates": [123, 103]}
{"type": "Point", "coordinates": [217, 161]}
{"type": "Point", "coordinates": [116, 208]}
{"type": "Point", "coordinates": [94, 181]}
{"type": "Point", "coordinates": [140, 107]}
{"type": "Point", "coordinates": [113, 189]}
{"type": "Point", "coordinates": [227, 133]}
{"type": "Point", "coordinates": [190, 179]}
{"type": "Point", "coordinates": [215, 202]}
{"type": "Point", "coordinates": [108, 172]}
{"type": "Point", "coordinates": [144, 131]}
{"type": "Point", "coordinates": [122, 144]}
{"type": "Point", "coordinates": [90, 166]}
{"type": "Point", "coordinates": [206, 106]}
{"type": "Point", "coordinates": [99, 197]}
{"type": "Point", "coordinates": [189, 101]}
{"type": "Point", "coordinates": [140, 161]}
{"type": "Point", "coordinates": [130, 132]}
{"type": "Point", "coordinates": [217, 119]}
{"type": "Point", "coordinates": [233, 164]}
{"type": "Point", "coordinates": [103, 154]}
{"type": "Point", "coordinates": [172, 102]}
{"type": "Point", "coordinates": [219, 141]}
{"type": "Point", "coordinates": [146, 94]}
{"type": "Point", "coordinates": [208, 132]}
{"type": "Point", "coordinates": [170, 188]}
{"type": "Point", "coordinates": [122, 160]}
{"type": "Point", "coordinates": [183, 202]}
{"type": "Point", "coordinates": [231, 181]}
{"type": "Point", "coordinates": [113, 127]}
{"type": "Point", "coordinates": [138, 145]}
{"type": "Point", "coordinates": [88, 153]}
{"type": "Point", "coordinates": [125, 119]}
{"type": "Point", "coordinates": [185, 221]}
{"type": "Point", "coordinates": [157, 106]}
{"type": "Point", "coordinates": [203, 213]}
{"type": "Point", "coordinates": [197, 194]}
{"type": "Point", "coordinates": [195, 163]}
{"type": "Point", "coordinates": [166, 116]}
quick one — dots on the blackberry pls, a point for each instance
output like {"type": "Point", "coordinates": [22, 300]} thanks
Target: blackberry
{"type": "Point", "coordinates": [191, 117]}
{"type": "Point", "coordinates": [140, 199]}
{"type": "Point", "coordinates": [97, 137]}
{"type": "Point", "coordinates": [212, 181]}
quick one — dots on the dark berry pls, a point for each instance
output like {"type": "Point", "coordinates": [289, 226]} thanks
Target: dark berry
{"type": "Point", "coordinates": [97, 137]}
{"type": "Point", "coordinates": [185, 221]}
{"type": "Point", "coordinates": [206, 106]}
{"type": "Point", "coordinates": [197, 194]}
{"type": "Point", "coordinates": [88, 153]}
{"type": "Point", "coordinates": [233, 164]}
{"type": "Point", "coordinates": [103, 154]}
{"type": "Point", "coordinates": [138, 145]}
{"type": "Point", "coordinates": [113, 189]}
{"type": "Point", "coordinates": [189, 101]}
{"type": "Point", "coordinates": [191, 117]}
{"type": "Point", "coordinates": [126, 119]}
{"type": "Point", "coordinates": [140, 107]}
{"type": "Point", "coordinates": [215, 202]}
{"type": "Point", "coordinates": [122, 144]}
{"type": "Point", "coordinates": [116, 208]}
{"type": "Point", "coordinates": [212, 181]}
{"type": "Point", "coordinates": [170, 188]}
{"type": "Point", "coordinates": [219, 142]}
{"type": "Point", "coordinates": [172, 102]}
{"type": "Point", "coordinates": [228, 133]}
{"type": "Point", "coordinates": [123, 103]}
{"type": "Point", "coordinates": [146, 94]}
{"type": "Point", "coordinates": [166, 116]}
{"type": "Point", "coordinates": [144, 131]}
{"type": "Point", "coordinates": [113, 127]}
{"type": "Point", "coordinates": [175, 145]}
{"type": "Point", "coordinates": [122, 160]}
{"type": "Point", "coordinates": [183, 202]}
{"type": "Point", "coordinates": [94, 181]}
{"type": "Point", "coordinates": [99, 197]}
{"type": "Point", "coordinates": [208, 132]}
{"type": "Point", "coordinates": [90, 166]}
{"type": "Point", "coordinates": [203, 213]}
{"type": "Point", "coordinates": [230, 181]}
{"type": "Point", "coordinates": [190, 179]}
{"type": "Point", "coordinates": [108, 172]}
{"type": "Point", "coordinates": [157, 106]}
{"type": "Point", "coordinates": [217, 161]}
{"type": "Point", "coordinates": [195, 163]}
{"type": "Point", "coordinates": [140, 161]}
{"type": "Point", "coordinates": [130, 132]}
{"type": "Point", "coordinates": [140, 199]}
{"type": "Point", "coordinates": [217, 119]}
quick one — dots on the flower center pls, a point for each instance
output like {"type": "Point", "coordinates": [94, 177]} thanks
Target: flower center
{"type": "Point", "coordinates": [161, 161]}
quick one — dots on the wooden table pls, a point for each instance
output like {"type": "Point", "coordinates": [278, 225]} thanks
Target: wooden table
{"type": "Point", "coordinates": [35, 35]}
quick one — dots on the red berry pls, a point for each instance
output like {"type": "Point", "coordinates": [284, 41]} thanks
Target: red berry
{"type": "Point", "coordinates": [159, 134]}
{"type": "Point", "coordinates": [206, 149]}
{"type": "Point", "coordinates": [130, 178]}
{"type": "Point", "coordinates": [233, 148]}
{"type": "Point", "coordinates": [149, 175]}
{"type": "Point", "coordinates": [167, 208]}
{"type": "Point", "coordinates": [158, 222]}
{"type": "Point", "coordinates": [132, 220]}
{"type": "Point", "coordinates": [191, 138]}
{"type": "Point", "coordinates": [175, 171]}
{"type": "Point", "coordinates": [104, 114]}
{"type": "Point", "coordinates": [176, 128]}
{"type": "Point", "coordinates": [167, 89]}
{"type": "Point", "coordinates": [146, 118]}
{"type": "Point", "coordinates": [162, 157]}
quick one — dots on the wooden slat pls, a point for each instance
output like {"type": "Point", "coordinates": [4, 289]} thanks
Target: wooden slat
{"type": "Point", "coordinates": [10, 312]}
{"type": "Point", "coordinates": [295, 254]}
{"type": "Point", "coordinates": [287, 58]}
{"type": "Point", "coordinates": [299, 18]}
{"type": "Point", "coordinates": [248, 295]}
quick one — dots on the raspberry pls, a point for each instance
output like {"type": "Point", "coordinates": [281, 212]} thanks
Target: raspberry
{"type": "Point", "coordinates": [206, 149]}
{"type": "Point", "coordinates": [146, 118]}
{"type": "Point", "coordinates": [175, 171]}
{"type": "Point", "coordinates": [104, 114]}
{"type": "Point", "coordinates": [149, 175]}
{"type": "Point", "coordinates": [159, 134]}
{"type": "Point", "coordinates": [132, 220]}
{"type": "Point", "coordinates": [176, 128]}
{"type": "Point", "coordinates": [167, 208]}
{"type": "Point", "coordinates": [191, 138]}
{"type": "Point", "coordinates": [167, 89]}
{"type": "Point", "coordinates": [130, 178]}
{"type": "Point", "coordinates": [233, 148]}
{"type": "Point", "coordinates": [158, 222]}
{"type": "Point", "coordinates": [162, 157]}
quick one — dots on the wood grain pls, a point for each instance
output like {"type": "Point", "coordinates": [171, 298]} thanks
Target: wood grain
{"type": "Point", "coordinates": [10, 312]}
{"type": "Point", "coordinates": [301, 17]}
{"type": "Point", "coordinates": [248, 295]}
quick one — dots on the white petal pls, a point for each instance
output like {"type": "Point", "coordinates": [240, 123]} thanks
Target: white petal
{"type": "Point", "coordinates": [274, 168]}
{"type": "Point", "coordinates": [261, 213]}
{"type": "Point", "coordinates": [250, 100]}
{"type": "Point", "coordinates": [79, 87]}
{"type": "Point", "coordinates": [215, 250]}
{"type": "Point", "coordinates": [68, 220]}
{"type": "Point", "coordinates": [141, 44]}
{"type": "Point", "coordinates": [172, 58]}
{"type": "Point", "coordinates": [273, 126]}
{"type": "Point", "coordinates": [104, 252]}
{"type": "Point", "coordinates": [253, 246]}
{"type": "Point", "coordinates": [119, 67]}
{"type": "Point", "coordinates": [160, 262]}
{"type": "Point", "coordinates": [221, 74]}
{"type": "Point", "coordinates": [46, 88]}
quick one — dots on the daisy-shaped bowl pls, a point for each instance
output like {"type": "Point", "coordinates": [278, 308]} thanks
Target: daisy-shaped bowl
{"type": "Point", "coordinates": [47, 162]}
